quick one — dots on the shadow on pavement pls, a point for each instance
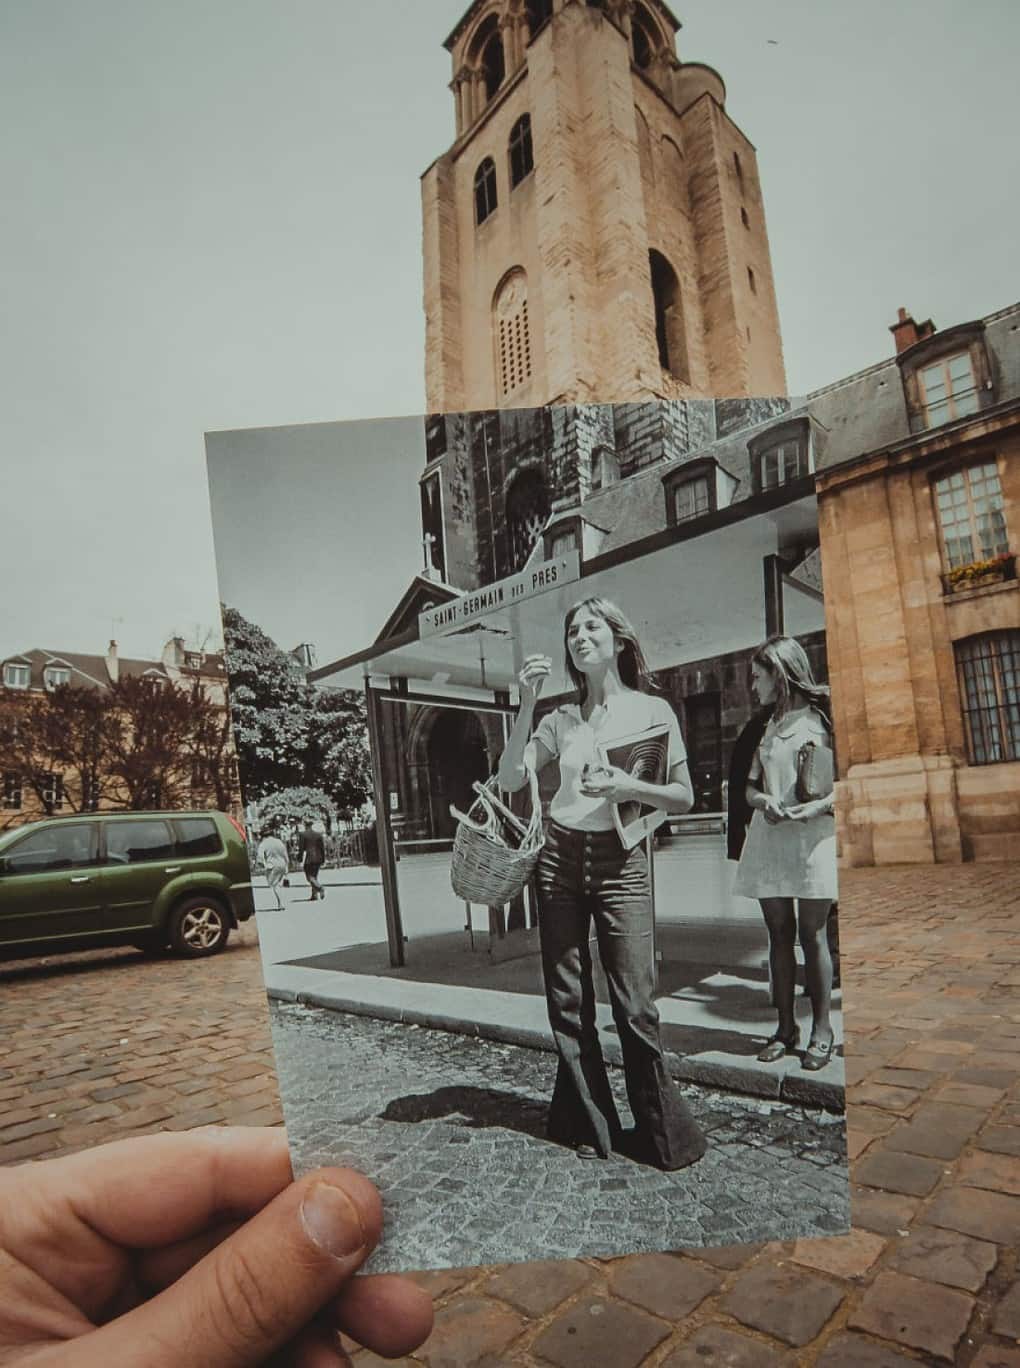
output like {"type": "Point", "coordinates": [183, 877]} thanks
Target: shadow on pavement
{"type": "Point", "coordinates": [472, 1107]}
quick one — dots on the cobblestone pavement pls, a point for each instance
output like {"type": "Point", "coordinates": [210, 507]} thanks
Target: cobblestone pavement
{"type": "Point", "coordinates": [452, 1128]}
{"type": "Point", "coordinates": [929, 1274]}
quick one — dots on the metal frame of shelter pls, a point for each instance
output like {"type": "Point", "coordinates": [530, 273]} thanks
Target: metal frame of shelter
{"type": "Point", "coordinates": [688, 590]}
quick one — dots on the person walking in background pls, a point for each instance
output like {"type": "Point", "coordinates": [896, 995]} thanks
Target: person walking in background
{"type": "Point", "coordinates": [788, 860]}
{"type": "Point", "coordinates": [312, 853]}
{"type": "Point", "coordinates": [273, 857]}
{"type": "Point", "coordinates": [587, 876]}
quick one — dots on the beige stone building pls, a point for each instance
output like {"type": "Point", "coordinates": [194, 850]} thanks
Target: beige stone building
{"type": "Point", "coordinates": [596, 232]}
{"type": "Point", "coordinates": [918, 462]}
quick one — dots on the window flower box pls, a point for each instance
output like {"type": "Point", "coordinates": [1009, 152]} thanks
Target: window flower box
{"type": "Point", "coordinates": [979, 573]}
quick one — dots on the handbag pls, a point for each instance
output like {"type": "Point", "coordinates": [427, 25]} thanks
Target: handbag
{"type": "Point", "coordinates": [494, 852]}
{"type": "Point", "coordinates": [815, 772]}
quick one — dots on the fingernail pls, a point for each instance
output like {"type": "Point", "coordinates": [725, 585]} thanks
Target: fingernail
{"type": "Point", "coordinates": [332, 1221]}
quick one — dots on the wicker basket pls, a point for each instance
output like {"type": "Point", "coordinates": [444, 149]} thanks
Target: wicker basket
{"type": "Point", "coordinates": [486, 867]}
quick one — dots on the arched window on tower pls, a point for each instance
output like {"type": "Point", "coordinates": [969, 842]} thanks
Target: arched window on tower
{"type": "Point", "coordinates": [513, 332]}
{"type": "Point", "coordinates": [644, 38]}
{"type": "Point", "coordinates": [493, 65]}
{"type": "Point", "coordinates": [538, 12]}
{"type": "Point", "coordinates": [527, 512]}
{"type": "Point", "coordinates": [485, 190]}
{"type": "Point", "coordinates": [670, 334]}
{"type": "Point", "coordinates": [522, 158]}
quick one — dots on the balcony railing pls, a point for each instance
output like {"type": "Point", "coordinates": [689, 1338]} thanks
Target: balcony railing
{"type": "Point", "coordinates": [979, 573]}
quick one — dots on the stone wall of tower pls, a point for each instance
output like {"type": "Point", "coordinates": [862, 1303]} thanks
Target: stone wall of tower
{"type": "Point", "coordinates": [741, 324]}
{"type": "Point", "coordinates": [619, 170]}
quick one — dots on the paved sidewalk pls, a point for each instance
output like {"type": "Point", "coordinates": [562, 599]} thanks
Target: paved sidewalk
{"type": "Point", "coordinates": [929, 1274]}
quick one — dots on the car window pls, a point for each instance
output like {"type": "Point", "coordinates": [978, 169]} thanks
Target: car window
{"type": "Point", "coordinates": [133, 842]}
{"type": "Point", "coordinates": [63, 847]}
{"type": "Point", "coordinates": [197, 836]}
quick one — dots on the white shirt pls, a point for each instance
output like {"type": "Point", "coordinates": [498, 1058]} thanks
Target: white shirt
{"type": "Point", "coordinates": [567, 736]}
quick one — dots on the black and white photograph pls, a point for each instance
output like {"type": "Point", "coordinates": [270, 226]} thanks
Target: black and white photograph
{"type": "Point", "coordinates": [536, 752]}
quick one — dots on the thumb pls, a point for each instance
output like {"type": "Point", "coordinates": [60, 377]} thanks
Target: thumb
{"type": "Point", "coordinates": [259, 1288]}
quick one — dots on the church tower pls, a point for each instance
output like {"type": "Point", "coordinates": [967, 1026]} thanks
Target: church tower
{"type": "Point", "coordinates": [596, 232]}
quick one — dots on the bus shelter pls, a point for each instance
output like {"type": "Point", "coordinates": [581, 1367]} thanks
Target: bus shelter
{"type": "Point", "coordinates": [694, 593]}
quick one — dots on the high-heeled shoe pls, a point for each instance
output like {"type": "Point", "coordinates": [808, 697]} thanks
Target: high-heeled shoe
{"type": "Point", "coordinates": [777, 1047]}
{"type": "Point", "coordinates": [818, 1054]}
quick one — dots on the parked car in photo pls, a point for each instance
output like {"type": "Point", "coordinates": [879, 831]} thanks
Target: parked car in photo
{"type": "Point", "coordinates": [158, 880]}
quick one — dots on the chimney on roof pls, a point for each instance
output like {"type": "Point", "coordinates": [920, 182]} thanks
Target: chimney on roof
{"type": "Point", "coordinates": [112, 663]}
{"type": "Point", "coordinates": [906, 332]}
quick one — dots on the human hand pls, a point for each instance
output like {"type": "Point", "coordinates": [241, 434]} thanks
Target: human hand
{"type": "Point", "coordinates": [608, 782]}
{"type": "Point", "coordinates": [535, 671]}
{"type": "Point", "coordinates": [803, 812]}
{"type": "Point", "coordinates": [773, 810]}
{"type": "Point", "coordinates": [194, 1248]}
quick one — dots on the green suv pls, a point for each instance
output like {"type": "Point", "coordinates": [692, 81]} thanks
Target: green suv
{"type": "Point", "coordinates": [177, 880]}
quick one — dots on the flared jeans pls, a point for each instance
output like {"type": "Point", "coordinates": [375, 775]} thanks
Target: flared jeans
{"type": "Point", "coordinates": [587, 878]}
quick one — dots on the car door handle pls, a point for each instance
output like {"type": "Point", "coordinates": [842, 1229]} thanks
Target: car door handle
{"type": "Point", "coordinates": [79, 878]}
{"type": "Point", "coordinates": [172, 869]}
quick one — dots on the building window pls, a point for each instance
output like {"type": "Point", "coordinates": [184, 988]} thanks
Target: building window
{"type": "Point", "coordinates": [193, 660]}
{"type": "Point", "coordinates": [563, 542]}
{"type": "Point", "coordinates": [751, 281]}
{"type": "Point", "coordinates": [485, 190]}
{"type": "Point", "coordinates": [605, 469]}
{"type": "Point", "coordinates": [493, 65]}
{"type": "Point", "coordinates": [670, 333]}
{"type": "Point", "coordinates": [17, 676]}
{"type": "Point", "coordinates": [522, 160]}
{"type": "Point", "coordinates": [527, 511]}
{"type": "Point", "coordinates": [948, 389]}
{"type": "Point", "coordinates": [56, 675]}
{"type": "Point", "coordinates": [780, 457]}
{"type": "Point", "coordinates": [435, 437]}
{"type": "Point", "coordinates": [743, 217]}
{"type": "Point", "coordinates": [513, 333]}
{"type": "Point", "coordinates": [539, 12]}
{"type": "Point", "coordinates": [643, 42]}
{"type": "Point", "coordinates": [971, 516]}
{"type": "Point", "coordinates": [738, 168]}
{"type": "Point", "coordinates": [988, 667]}
{"type": "Point", "coordinates": [52, 791]}
{"type": "Point", "coordinates": [692, 498]}
{"type": "Point", "coordinates": [90, 792]}
{"type": "Point", "coordinates": [12, 791]}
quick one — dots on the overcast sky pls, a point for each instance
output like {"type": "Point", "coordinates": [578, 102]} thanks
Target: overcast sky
{"type": "Point", "coordinates": [211, 219]}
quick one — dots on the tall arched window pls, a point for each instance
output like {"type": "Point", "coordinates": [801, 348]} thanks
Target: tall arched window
{"type": "Point", "coordinates": [670, 334]}
{"type": "Point", "coordinates": [539, 12]}
{"type": "Point", "coordinates": [645, 39]}
{"type": "Point", "coordinates": [485, 190]}
{"type": "Point", "coordinates": [513, 333]}
{"type": "Point", "coordinates": [493, 65]}
{"type": "Point", "coordinates": [527, 512]}
{"type": "Point", "coordinates": [522, 158]}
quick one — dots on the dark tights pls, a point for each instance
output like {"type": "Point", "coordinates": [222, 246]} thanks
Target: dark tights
{"type": "Point", "coordinates": [785, 919]}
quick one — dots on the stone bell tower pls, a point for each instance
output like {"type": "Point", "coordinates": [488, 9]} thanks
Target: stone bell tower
{"type": "Point", "coordinates": [596, 232]}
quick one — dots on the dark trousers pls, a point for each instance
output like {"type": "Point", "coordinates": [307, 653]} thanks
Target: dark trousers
{"type": "Point", "coordinates": [312, 868]}
{"type": "Point", "coordinates": [585, 878]}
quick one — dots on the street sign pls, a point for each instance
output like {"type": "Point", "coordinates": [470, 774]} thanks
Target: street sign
{"type": "Point", "coordinates": [506, 593]}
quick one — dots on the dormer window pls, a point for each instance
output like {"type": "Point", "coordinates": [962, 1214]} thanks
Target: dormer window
{"type": "Point", "coordinates": [17, 676]}
{"type": "Point", "coordinates": [697, 488]}
{"type": "Point", "coordinates": [947, 389]}
{"type": "Point", "coordinates": [605, 469]}
{"type": "Point", "coordinates": [193, 660]}
{"type": "Point", "coordinates": [946, 375]}
{"type": "Point", "coordinates": [779, 456]}
{"type": "Point", "coordinates": [485, 190]}
{"type": "Point", "coordinates": [56, 675]}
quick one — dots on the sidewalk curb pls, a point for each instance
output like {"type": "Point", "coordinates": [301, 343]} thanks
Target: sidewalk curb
{"type": "Point", "coordinates": [711, 1070]}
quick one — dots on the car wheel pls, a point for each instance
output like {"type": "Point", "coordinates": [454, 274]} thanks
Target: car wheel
{"type": "Point", "coordinates": [198, 926]}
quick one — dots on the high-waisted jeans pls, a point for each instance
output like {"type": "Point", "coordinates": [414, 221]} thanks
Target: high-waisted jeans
{"type": "Point", "coordinates": [586, 877]}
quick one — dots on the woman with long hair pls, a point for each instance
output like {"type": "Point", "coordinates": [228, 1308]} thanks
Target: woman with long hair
{"type": "Point", "coordinates": [586, 875]}
{"type": "Point", "coordinates": [788, 861]}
